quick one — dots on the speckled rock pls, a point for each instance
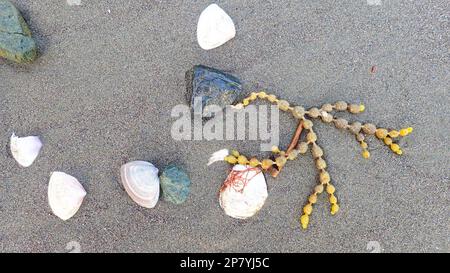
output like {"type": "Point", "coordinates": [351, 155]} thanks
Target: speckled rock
{"type": "Point", "coordinates": [16, 43]}
{"type": "Point", "coordinates": [213, 86]}
{"type": "Point", "coordinates": [175, 184]}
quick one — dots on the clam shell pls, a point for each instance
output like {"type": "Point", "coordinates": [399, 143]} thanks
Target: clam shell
{"type": "Point", "coordinates": [141, 182]}
{"type": "Point", "coordinates": [214, 27]}
{"type": "Point", "coordinates": [65, 195]}
{"type": "Point", "coordinates": [25, 149]}
{"type": "Point", "coordinates": [240, 200]}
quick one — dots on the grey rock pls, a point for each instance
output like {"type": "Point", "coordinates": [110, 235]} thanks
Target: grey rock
{"type": "Point", "coordinates": [213, 86]}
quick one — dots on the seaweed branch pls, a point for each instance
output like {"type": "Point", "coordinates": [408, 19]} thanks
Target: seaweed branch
{"type": "Point", "coordinates": [275, 164]}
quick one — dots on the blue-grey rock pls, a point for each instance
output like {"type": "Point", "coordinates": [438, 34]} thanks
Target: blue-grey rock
{"type": "Point", "coordinates": [213, 86]}
{"type": "Point", "coordinates": [16, 43]}
{"type": "Point", "coordinates": [175, 184]}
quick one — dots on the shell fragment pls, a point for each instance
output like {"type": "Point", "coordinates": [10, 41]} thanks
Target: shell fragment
{"type": "Point", "coordinates": [214, 28]}
{"type": "Point", "coordinates": [25, 149]}
{"type": "Point", "coordinates": [65, 195]}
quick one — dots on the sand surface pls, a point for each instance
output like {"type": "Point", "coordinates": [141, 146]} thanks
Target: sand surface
{"type": "Point", "coordinates": [110, 72]}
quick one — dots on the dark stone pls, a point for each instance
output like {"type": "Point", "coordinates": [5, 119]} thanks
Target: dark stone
{"type": "Point", "coordinates": [175, 184]}
{"type": "Point", "coordinates": [16, 43]}
{"type": "Point", "coordinates": [213, 86]}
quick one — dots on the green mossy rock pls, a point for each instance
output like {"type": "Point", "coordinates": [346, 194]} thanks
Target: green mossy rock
{"type": "Point", "coordinates": [175, 184]}
{"type": "Point", "coordinates": [16, 43]}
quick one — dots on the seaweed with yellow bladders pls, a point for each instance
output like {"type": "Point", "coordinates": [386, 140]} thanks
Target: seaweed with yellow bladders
{"type": "Point", "coordinates": [280, 157]}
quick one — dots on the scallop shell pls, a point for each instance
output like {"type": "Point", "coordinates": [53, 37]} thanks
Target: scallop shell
{"type": "Point", "coordinates": [65, 195]}
{"type": "Point", "coordinates": [141, 182]}
{"type": "Point", "coordinates": [242, 199]}
{"type": "Point", "coordinates": [214, 27]}
{"type": "Point", "coordinates": [25, 149]}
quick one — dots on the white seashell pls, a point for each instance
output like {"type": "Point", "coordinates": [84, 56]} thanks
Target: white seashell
{"type": "Point", "coordinates": [218, 156]}
{"type": "Point", "coordinates": [74, 2]}
{"type": "Point", "coordinates": [141, 182]}
{"type": "Point", "coordinates": [243, 199]}
{"type": "Point", "coordinates": [238, 106]}
{"type": "Point", "coordinates": [214, 27]}
{"type": "Point", "coordinates": [65, 195]}
{"type": "Point", "coordinates": [25, 149]}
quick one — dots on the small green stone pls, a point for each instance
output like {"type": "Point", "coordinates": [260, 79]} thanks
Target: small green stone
{"type": "Point", "coordinates": [16, 43]}
{"type": "Point", "coordinates": [175, 184]}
